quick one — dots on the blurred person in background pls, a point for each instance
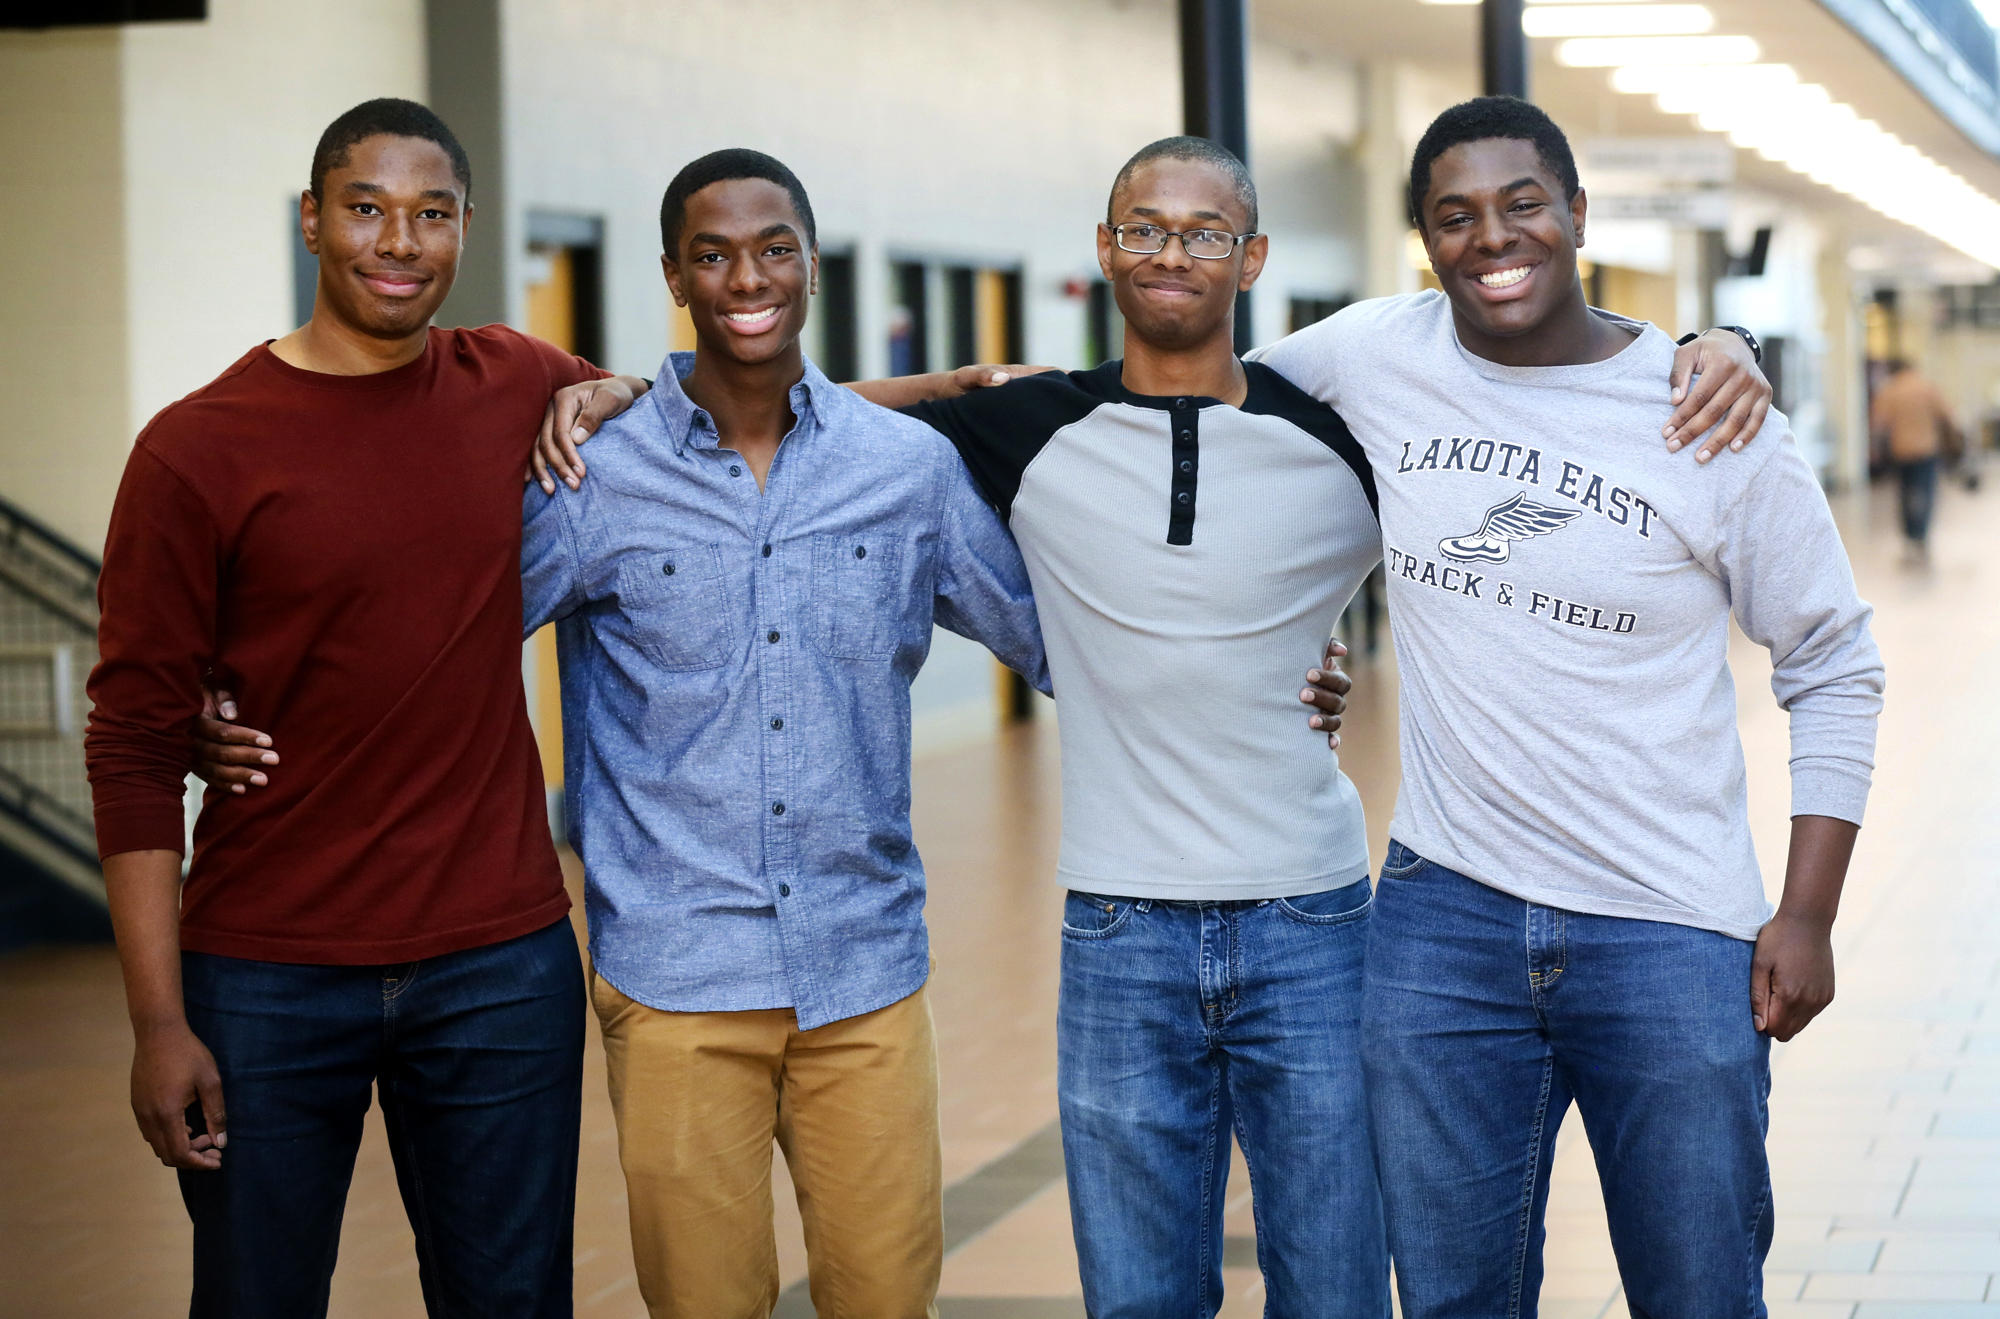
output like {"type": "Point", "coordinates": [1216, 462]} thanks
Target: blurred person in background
{"type": "Point", "coordinates": [1910, 414]}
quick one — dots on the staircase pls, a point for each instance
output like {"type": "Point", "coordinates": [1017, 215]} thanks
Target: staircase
{"type": "Point", "coordinates": [50, 884]}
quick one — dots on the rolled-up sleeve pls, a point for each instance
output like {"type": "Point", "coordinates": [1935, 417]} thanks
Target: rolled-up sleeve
{"type": "Point", "coordinates": [155, 637]}
{"type": "Point", "coordinates": [550, 587]}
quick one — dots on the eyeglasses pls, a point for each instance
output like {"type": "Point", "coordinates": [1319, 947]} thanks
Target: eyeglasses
{"type": "Point", "coordinates": [1201, 244]}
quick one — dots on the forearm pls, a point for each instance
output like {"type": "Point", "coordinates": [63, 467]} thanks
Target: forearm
{"type": "Point", "coordinates": [1816, 869]}
{"type": "Point", "coordinates": [144, 890]}
{"type": "Point", "coordinates": [906, 391]}
{"type": "Point", "coordinates": [637, 384]}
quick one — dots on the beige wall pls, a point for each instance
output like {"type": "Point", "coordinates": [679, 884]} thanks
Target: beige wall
{"type": "Point", "coordinates": [158, 164]}
{"type": "Point", "coordinates": [63, 367]}
{"type": "Point", "coordinates": [948, 130]}
{"type": "Point", "coordinates": [220, 122]}
{"type": "Point", "coordinates": [1966, 363]}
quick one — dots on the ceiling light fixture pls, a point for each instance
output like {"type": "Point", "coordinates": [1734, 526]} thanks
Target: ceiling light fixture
{"type": "Point", "coordinates": [1601, 20]}
{"type": "Point", "coordinates": [1766, 109]}
{"type": "Point", "coordinates": [1610, 52]}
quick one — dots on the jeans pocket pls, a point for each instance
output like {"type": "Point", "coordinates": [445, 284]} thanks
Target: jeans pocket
{"type": "Point", "coordinates": [1093, 916]}
{"type": "Point", "coordinates": [1401, 862]}
{"type": "Point", "coordinates": [1334, 906]}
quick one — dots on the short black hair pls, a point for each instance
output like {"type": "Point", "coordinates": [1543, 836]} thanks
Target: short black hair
{"type": "Point", "coordinates": [1486, 117]}
{"type": "Point", "coordinates": [1188, 148]}
{"type": "Point", "coordinates": [395, 117]}
{"type": "Point", "coordinates": [721, 167]}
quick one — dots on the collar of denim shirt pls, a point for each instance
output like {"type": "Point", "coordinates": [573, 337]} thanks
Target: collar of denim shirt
{"type": "Point", "coordinates": [690, 426]}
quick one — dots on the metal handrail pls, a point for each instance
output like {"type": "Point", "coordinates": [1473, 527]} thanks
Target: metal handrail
{"type": "Point", "coordinates": [41, 563]}
{"type": "Point", "coordinates": [41, 567]}
{"type": "Point", "coordinates": [67, 829]}
{"type": "Point", "coordinates": [19, 520]}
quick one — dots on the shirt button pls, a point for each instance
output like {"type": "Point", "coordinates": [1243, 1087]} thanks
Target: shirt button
{"type": "Point", "coordinates": [1180, 404]}
{"type": "Point", "coordinates": [668, 569]}
{"type": "Point", "coordinates": [1187, 435]}
{"type": "Point", "coordinates": [1181, 498]}
{"type": "Point", "coordinates": [777, 808]}
{"type": "Point", "coordinates": [860, 551]}
{"type": "Point", "coordinates": [772, 636]}
{"type": "Point", "coordinates": [777, 723]}
{"type": "Point", "coordinates": [1187, 465]}
{"type": "Point", "coordinates": [784, 890]}
{"type": "Point", "coordinates": [767, 551]}
{"type": "Point", "coordinates": [735, 470]}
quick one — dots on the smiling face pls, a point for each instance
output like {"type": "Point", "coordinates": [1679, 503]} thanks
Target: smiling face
{"type": "Point", "coordinates": [744, 270]}
{"type": "Point", "coordinates": [388, 228]}
{"type": "Point", "coordinates": [1502, 239]}
{"type": "Point", "coordinates": [1171, 300]}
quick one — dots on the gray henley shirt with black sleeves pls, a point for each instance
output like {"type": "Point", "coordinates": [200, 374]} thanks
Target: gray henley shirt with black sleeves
{"type": "Point", "coordinates": [1189, 560]}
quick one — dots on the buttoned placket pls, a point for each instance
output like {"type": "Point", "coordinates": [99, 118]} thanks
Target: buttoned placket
{"type": "Point", "coordinates": [775, 578]}
{"type": "Point", "coordinates": [1185, 423]}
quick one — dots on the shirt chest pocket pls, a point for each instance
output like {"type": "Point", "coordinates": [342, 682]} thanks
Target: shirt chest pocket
{"type": "Point", "coordinates": [860, 601]}
{"type": "Point", "coordinates": [675, 606]}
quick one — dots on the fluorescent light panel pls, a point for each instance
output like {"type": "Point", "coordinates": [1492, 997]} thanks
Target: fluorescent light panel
{"type": "Point", "coordinates": [1541, 2]}
{"type": "Point", "coordinates": [1766, 109]}
{"type": "Point", "coordinates": [1611, 52]}
{"type": "Point", "coordinates": [1601, 20]}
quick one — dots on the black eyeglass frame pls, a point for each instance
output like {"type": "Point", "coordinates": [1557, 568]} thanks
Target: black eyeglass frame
{"type": "Point", "coordinates": [1118, 237]}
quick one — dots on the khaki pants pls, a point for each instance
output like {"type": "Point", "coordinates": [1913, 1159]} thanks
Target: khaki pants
{"type": "Point", "coordinates": [699, 1097]}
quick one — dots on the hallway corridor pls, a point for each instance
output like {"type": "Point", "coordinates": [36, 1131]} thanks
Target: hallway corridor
{"type": "Point", "coordinates": [1885, 1118]}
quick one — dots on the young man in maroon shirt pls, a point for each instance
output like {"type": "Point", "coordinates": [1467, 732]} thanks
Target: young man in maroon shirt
{"type": "Point", "coordinates": [389, 912]}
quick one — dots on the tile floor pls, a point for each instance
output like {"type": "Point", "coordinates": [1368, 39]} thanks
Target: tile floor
{"type": "Point", "coordinates": [1885, 1118]}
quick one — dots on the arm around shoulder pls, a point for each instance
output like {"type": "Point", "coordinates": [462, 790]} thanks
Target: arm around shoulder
{"type": "Point", "coordinates": [982, 584]}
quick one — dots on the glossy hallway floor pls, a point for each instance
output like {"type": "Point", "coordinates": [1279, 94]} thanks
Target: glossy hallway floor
{"type": "Point", "coordinates": [1885, 1119]}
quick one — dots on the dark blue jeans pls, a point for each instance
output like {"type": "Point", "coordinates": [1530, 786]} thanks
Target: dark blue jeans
{"type": "Point", "coordinates": [1180, 1023]}
{"type": "Point", "coordinates": [1484, 1017]}
{"type": "Point", "coordinates": [478, 1056]}
{"type": "Point", "coordinates": [1917, 483]}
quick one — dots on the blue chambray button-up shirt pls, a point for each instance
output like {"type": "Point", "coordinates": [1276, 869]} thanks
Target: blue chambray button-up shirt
{"type": "Point", "coordinates": [736, 671]}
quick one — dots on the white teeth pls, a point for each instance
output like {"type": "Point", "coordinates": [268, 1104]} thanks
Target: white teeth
{"type": "Point", "coordinates": [751, 317]}
{"type": "Point", "coordinates": [1501, 279]}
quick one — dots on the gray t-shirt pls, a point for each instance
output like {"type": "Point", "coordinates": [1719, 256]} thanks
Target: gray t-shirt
{"type": "Point", "coordinates": [1560, 589]}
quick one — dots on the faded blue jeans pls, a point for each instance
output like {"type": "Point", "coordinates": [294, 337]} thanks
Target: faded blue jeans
{"type": "Point", "coordinates": [1180, 1023]}
{"type": "Point", "coordinates": [1484, 1017]}
{"type": "Point", "coordinates": [478, 1056]}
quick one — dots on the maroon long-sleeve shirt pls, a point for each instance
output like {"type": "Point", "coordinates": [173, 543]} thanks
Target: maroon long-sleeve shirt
{"type": "Point", "coordinates": [342, 553]}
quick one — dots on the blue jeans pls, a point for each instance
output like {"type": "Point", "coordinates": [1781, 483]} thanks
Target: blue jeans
{"type": "Point", "coordinates": [479, 1059]}
{"type": "Point", "coordinates": [1917, 483]}
{"type": "Point", "coordinates": [1180, 1022]}
{"type": "Point", "coordinates": [1484, 1017]}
